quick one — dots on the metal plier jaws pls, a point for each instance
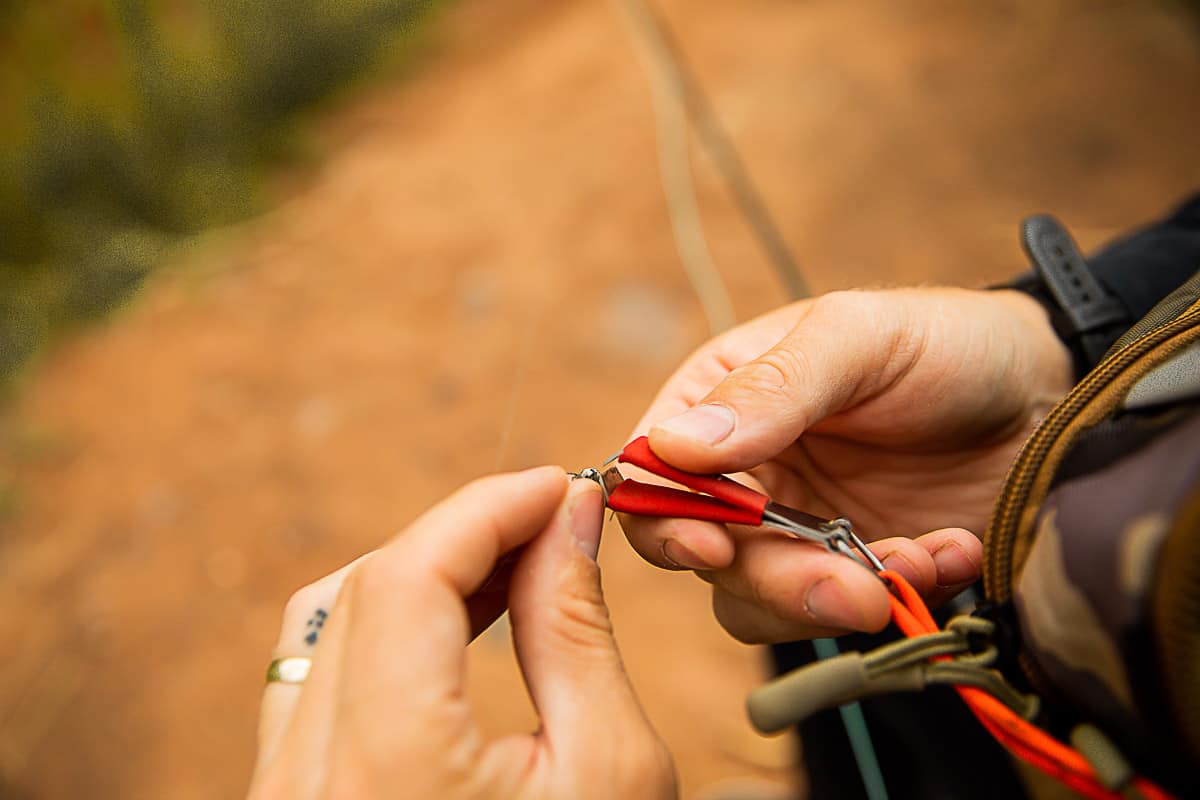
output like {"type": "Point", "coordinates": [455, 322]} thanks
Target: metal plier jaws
{"type": "Point", "coordinates": [716, 498]}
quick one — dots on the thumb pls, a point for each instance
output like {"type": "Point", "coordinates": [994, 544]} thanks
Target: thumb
{"type": "Point", "coordinates": [562, 633]}
{"type": "Point", "coordinates": [837, 355]}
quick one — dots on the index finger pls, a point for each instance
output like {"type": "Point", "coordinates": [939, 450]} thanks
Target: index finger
{"type": "Point", "coordinates": [461, 539]}
{"type": "Point", "coordinates": [410, 598]}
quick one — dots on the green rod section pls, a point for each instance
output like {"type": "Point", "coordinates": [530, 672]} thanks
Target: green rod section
{"type": "Point", "coordinates": [858, 733]}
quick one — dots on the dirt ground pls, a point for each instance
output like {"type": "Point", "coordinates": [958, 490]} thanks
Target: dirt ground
{"type": "Point", "coordinates": [480, 275]}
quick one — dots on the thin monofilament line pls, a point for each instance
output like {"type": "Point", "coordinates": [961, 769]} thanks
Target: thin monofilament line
{"type": "Point", "coordinates": [677, 98]}
{"type": "Point", "coordinates": [672, 135]}
{"type": "Point", "coordinates": [667, 69]}
{"type": "Point", "coordinates": [517, 386]}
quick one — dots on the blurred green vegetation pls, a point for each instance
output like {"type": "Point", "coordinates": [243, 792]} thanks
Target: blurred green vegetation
{"type": "Point", "coordinates": [131, 123]}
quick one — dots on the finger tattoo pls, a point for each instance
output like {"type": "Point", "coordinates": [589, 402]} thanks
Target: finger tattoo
{"type": "Point", "coordinates": [313, 627]}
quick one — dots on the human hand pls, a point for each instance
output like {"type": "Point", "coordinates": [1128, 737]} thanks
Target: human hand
{"type": "Point", "coordinates": [900, 410]}
{"type": "Point", "coordinates": [383, 712]}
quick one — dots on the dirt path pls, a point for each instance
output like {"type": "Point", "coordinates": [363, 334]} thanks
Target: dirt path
{"type": "Point", "coordinates": [481, 276]}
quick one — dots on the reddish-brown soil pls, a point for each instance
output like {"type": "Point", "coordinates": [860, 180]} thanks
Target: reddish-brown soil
{"type": "Point", "coordinates": [480, 275]}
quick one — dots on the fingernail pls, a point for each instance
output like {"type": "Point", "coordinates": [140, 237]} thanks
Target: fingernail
{"type": "Point", "coordinates": [707, 424]}
{"type": "Point", "coordinates": [902, 564]}
{"type": "Point", "coordinates": [828, 603]}
{"type": "Point", "coordinates": [678, 555]}
{"type": "Point", "coordinates": [954, 566]}
{"type": "Point", "coordinates": [585, 513]}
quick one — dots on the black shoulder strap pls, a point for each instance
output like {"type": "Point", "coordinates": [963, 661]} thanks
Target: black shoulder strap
{"type": "Point", "coordinates": [1089, 312]}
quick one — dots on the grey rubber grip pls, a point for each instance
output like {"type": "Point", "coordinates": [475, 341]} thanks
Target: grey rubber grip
{"type": "Point", "coordinates": [831, 682]}
{"type": "Point", "coordinates": [782, 702]}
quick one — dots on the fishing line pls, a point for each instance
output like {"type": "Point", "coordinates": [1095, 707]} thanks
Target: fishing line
{"type": "Point", "coordinates": [525, 354]}
{"type": "Point", "coordinates": [670, 74]}
{"type": "Point", "coordinates": [672, 133]}
{"type": "Point", "coordinates": [678, 97]}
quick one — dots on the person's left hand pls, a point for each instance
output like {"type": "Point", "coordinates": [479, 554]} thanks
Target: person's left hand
{"type": "Point", "coordinates": [383, 711]}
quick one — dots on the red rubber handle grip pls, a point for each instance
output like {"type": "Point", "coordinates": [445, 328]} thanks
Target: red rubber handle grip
{"type": "Point", "coordinates": [648, 500]}
{"type": "Point", "coordinates": [639, 454]}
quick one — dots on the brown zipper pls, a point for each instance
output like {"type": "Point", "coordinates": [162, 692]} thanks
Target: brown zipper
{"type": "Point", "coordinates": [1000, 540]}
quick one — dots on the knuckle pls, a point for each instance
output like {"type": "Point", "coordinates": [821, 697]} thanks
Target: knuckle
{"type": "Point", "coordinates": [843, 302]}
{"type": "Point", "coordinates": [777, 372]}
{"type": "Point", "coordinates": [580, 619]}
{"type": "Point", "coordinates": [375, 576]}
{"type": "Point", "coordinates": [884, 318]}
{"type": "Point", "coordinates": [363, 578]}
{"type": "Point", "coordinates": [302, 601]}
{"type": "Point", "coordinates": [477, 488]}
{"type": "Point", "coordinates": [830, 309]}
{"type": "Point", "coordinates": [769, 373]}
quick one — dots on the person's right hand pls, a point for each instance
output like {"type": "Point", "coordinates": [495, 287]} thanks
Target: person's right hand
{"type": "Point", "coordinates": [900, 410]}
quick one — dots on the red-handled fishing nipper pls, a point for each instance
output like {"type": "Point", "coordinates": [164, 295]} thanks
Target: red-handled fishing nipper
{"type": "Point", "coordinates": [723, 500]}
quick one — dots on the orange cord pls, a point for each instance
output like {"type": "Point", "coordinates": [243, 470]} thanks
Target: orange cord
{"type": "Point", "coordinates": [1024, 740]}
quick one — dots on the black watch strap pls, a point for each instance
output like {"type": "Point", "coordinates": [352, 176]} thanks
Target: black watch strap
{"type": "Point", "coordinates": [1088, 318]}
